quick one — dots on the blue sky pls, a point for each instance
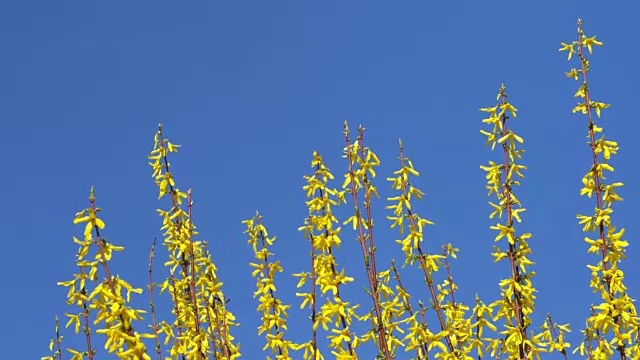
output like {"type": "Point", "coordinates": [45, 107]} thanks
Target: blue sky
{"type": "Point", "coordinates": [251, 89]}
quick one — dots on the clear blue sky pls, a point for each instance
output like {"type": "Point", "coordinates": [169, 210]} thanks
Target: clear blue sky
{"type": "Point", "coordinates": [251, 89]}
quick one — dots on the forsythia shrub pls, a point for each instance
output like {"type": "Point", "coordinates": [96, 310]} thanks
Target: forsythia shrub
{"type": "Point", "coordinates": [201, 323]}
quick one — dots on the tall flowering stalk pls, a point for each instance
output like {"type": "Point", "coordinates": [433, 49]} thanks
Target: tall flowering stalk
{"type": "Point", "coordinates": [106, 298]}
{"type": "Point", "coordinates": [362, 164]}
{"type": "Point", "coordinates": [274, 313]}
{"type": "Point", "coordinates": [517, 292]}
{"type": "Point", "coordinates": [453, 334]}
{"type": "Point", "coordinates": [196, 287]}
{"type": "Point", "coordinates": [324, 238]}
{"type": "Point", "coordinates": [613, 324]}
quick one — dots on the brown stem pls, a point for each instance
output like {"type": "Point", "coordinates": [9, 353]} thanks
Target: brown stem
{"type": "Point", "coordinates": [208, 307]}
{"type": "Point", "coordinates": [451, 289]}
{"type": "Point", "coordinates": [596, 178]}
{"type": "Point", "coordinates": [265, 273]}
{"type": "Point", "coordinates": [423, 263]}
{"type": "Point", "coordinates": [555, 334]}
{"type": "Point", "coordinates": [513, 248]}
{"type": "Point", "coordinates": [222, 332]}
{"type": "Point", "coordinates": [501, 350]}
{"type": "Point", "coordinates": [372, 249]}
{"type": "Point", "coordinates": [432, 291]}
{"type": "Point", "coordinates": [103, 259]}
{"type": "Point", "coordinates": [407, 305]}
{"type": "Point", "coordinates": [343, 322]}
{"type": "Point", "coordinates": [590, 348]}
{"type": "Point", "coordinates": [478, 329]}
{"type": "Point", "coordinates": [369, 258]}
{"type": "Point", "coordinates": [211, 333]}
{"type": "Point", "coordinates": [176, 309]}
{"type": "Point", "coordinates": [178, 225]}
{"type": "Point", "coordinates": [422, 318]}
{"type": "Point", "coordinates": [192, 260]}
{"type": "Point", "coordinates": [592, 144]}
{"type": "Point", "coordinates": [313, 295]}
{"type": "Point", "coordinates": [334, 272]}
{"type": "Point", "coordinates": [191, 295]}
{"type": "Point", "coordinates": [448, 267]}
{"type": "Point", "coordinates": [58, 339]}
{"type": "Point", "coordinates": [129, 329]}
{"type": "Point", "coordinates": [175, 207]}
{"type": "Point", "coordinates": [85, 315]}
{"type": "Point", "coordinates": [152, 306]}
{"type": "Point", "coordinates": [367, 205]}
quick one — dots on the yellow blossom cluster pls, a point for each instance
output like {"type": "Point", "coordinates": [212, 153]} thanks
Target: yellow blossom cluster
{"type": "Point", "coordinates": [613, 324]}
{"type": "Point", "coordinates": [334, 315]}
{"type": "Point", "coordinates": [274, 313]}
{"type": "Point", "coordinates": [202, 323]}
{"type": "Point", "coordinates": [453, 340]}
{"type": "Point", "coordinates": [517, 294]}
{"type": "Point", "coordinates": [106, 299]}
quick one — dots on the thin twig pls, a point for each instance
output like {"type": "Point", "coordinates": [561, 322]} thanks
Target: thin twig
{"type": "Point", "coordinates": [192, 260]}
{"type": "Point", "coordinates": [407, 305]}
{"type": "Point", "coordinates": [85, 315]}
{"type": "Point", "coordinates": [58, 339]}
{"type": "Point", "coordinates": [152, 305]}
{"type": "Point", "coordinates": [423, 263]}
{"type": "Point", "coordinates": [555, 334]}
{"type": "Point", "coordinates": [369, 258]}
